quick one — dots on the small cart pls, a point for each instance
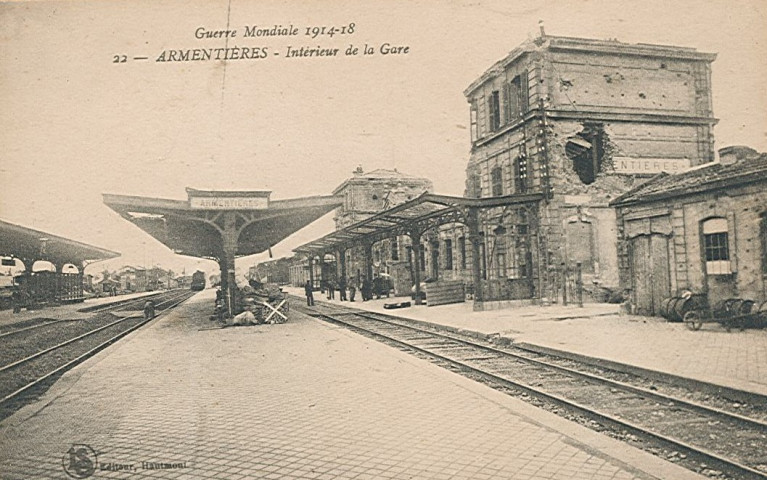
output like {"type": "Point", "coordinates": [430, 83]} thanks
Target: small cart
{"type": "Point", "coordinates": [730, 313]}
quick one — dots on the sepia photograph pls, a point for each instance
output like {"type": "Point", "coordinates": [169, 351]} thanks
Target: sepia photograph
{"type": "Point", "coordinates": [448, 240]}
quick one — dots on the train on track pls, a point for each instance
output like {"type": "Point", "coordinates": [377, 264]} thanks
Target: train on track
{"type": "Point", "coordinates": [198, 280]}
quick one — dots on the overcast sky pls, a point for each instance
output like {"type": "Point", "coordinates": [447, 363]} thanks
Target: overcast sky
{"type": "Point", "coordinates": [76, 125]}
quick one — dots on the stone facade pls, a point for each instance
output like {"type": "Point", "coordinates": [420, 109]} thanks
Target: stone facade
{"type": "Point", "coordinates": [703, 231]}
{"type": "Point", "coordinates": [581, 121]}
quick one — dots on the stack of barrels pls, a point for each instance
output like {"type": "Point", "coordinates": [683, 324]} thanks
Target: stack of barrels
{"type": "Point", "coordinates": [674, 308]}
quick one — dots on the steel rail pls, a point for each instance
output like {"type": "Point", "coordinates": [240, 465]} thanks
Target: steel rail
{"type": "Point", "coordinates": [32, 327]}
{"type": "Point", "coordinates": [633, 388]}
{"type": "Point", "coordinates": [87, 354]}
{"type": "Point", "coordinates": [72, 340]}
{"type": "Point", "coordinates": [728, 464]}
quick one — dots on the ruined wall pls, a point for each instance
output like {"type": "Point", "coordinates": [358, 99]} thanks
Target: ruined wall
{"type": "Point", "coordinates": [611, 82]}
{"type": "Point", "coordinates": [743, 207]}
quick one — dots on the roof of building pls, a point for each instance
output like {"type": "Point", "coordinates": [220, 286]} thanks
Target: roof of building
{"type": "Point", "coordinates": [707, 177]}
{"type": "Point", "coordinates": [380, 174]}
{"type": "Point", "coordinates": [574, 44]}
{"type": "Point", "coordinates": [26, 243]}
{"type": "Point", "coordinates": [426, 210]}
{"type": "Point", "coordinates": [193, 229]}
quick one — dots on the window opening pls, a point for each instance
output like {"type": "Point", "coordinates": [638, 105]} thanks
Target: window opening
{"type": "Point", "coordinates": [462, 250]}
{"type": "Point", "coordinates": [715, 246]}
{"type": "Point", "coordinates": [494, 107]}
{"type": "Point", "coordinates": [496, 179]}
{"type": "Point", "coordinates": [520, 173]}
{"type": "Point", "coordinates": [448, 254]}
{"type": "Point", "coordinates": [586, 152]}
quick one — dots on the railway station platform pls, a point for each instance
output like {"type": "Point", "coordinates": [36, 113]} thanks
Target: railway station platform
{"type": "Point", "coordinates": [599, 333]}
{"type": "Point", "coordinates": [180, 398]}
{"type": "Point", "coordinates": [67, 311]}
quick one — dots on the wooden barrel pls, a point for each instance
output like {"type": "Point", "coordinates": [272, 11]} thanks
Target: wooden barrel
{"type": "Point", "coordinates": [727, 308]}
{"type": "Point", "coordinates": [664, 304]}
{"type": "Point", "coordinates": [673, 312]}
{"type": "Point", "coordinates": [761, 314]}
{"type": "Point", "coordinates": [732, 305]}
{"type": "Point", "coordinates": [746, 307]}
{"type": "Point", "coordinates": [686, 304]}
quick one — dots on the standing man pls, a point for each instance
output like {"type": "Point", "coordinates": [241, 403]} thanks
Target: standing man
{"type": "Point", "coordinates": [309, 294]}
{"type": "Point", "coordinates": [352, 288]}
{"type": "Point", "coordinates": [342, 289]}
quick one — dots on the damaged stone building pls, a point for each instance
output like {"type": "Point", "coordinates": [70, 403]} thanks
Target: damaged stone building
{"type": "Point", "coordinates": [703, 231]}
{"type": "Point", "coordinates": [580, 121]}
{"type": "Point", "coordinates": [559, 128]}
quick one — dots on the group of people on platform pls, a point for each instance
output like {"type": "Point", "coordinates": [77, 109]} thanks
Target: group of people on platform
{"type": "Point", "coordinates": [378, 287]}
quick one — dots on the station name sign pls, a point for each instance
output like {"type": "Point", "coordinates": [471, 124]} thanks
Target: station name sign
{"type": "Point", "coordinates": [650, 165]}
{"type": "Point", "coordinates": [229, 203]}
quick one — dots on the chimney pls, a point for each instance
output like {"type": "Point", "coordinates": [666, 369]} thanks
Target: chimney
{"type": "Point", "coordinates": [735, 153]}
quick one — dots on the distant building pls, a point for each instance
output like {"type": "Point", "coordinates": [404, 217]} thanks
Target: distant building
{"type": "Point", "coordinates": [131, 279]}
{"type": "Point", "coordinates": [365, 194]}
{"type": "Point", "coordinates": [704, 230]}
{"type": "Point", "coordinates": [272, 271]}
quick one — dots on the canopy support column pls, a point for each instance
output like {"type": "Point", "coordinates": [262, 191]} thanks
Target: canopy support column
{"type": "Point", "coordinates": [229, 236]}
{"type": "Point", "coordinates": [368, 253]}
{"type": "Point", "coordinates": [415, 241]}
{"type": "Point", "coordinates": [341, 256]}
{"type": "Point", "coordinates": [472, 221]}
{"type": "Point", "coordinates": [310, 259]}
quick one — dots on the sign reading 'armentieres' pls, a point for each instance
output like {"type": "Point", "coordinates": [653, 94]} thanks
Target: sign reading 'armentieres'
{"type": "Point", "coordinates": [229, 203]}
{"type": "Point", "coordinates": [650, 165]}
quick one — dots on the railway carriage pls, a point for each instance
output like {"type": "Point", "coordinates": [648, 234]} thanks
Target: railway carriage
{"type": "Point", "coordinates": [198, 280]}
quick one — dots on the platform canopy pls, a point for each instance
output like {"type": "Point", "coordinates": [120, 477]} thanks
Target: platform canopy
{"type": "Point", "coordinates": [203, 225]}
{"type": "Point", "coordinates": [30, 245]}
{"type": "Point", "coordinates": [425, 211]}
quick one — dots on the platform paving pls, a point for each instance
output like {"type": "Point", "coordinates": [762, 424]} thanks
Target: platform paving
{"type": "Point", "coordinates": [301, 400]}
{"type": "Point", "coordinates": [736, 359]}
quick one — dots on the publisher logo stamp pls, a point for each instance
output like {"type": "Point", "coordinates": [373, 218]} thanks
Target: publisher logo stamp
{"type": "Point", "coordinates": [80, 461]}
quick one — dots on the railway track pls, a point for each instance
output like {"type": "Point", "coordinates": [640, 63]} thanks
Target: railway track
{"type": "Point", "coordinates": [717, 437]}
{"type": "Point", "coordinates": [35, 323]}
{"type": "Point", "coordinates": [35, 355]}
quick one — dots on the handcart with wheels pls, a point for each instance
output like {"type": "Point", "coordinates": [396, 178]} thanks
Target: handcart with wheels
{"type": "Point", "coordinates": [731, 313]}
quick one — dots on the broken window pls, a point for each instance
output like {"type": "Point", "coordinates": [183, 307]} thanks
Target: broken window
{"type": "Point", "coordinates": [586, 151]}
{"type": "Point", "coordinates": [516, 102]}
{"type": "Point", "coordinates": [496, 178]}
{"type": "Point", "coordinates": [494, 108]}
{"type": "Point", "coordinates": [473, 120]}
{"type": "Point", "coordinates": [474, 186]}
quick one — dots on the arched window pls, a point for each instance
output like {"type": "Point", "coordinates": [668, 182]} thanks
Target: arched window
{"type": "Point", "coordinates": [716, 250]}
